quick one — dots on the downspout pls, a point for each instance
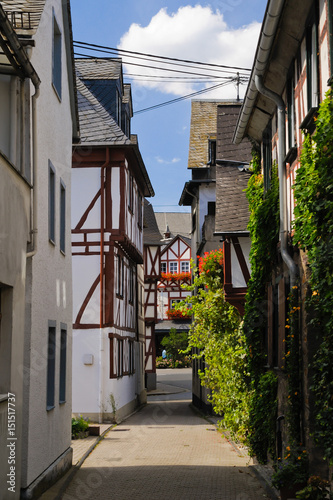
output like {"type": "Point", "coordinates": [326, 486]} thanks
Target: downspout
{"type": "Point", "coordinates": [34, 229]}
{"type": "Point", "coordinates": [101, 320]}
{"type": "Point", "coordinates": [292, 267]}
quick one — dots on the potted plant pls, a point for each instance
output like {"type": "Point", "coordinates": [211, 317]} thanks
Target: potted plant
{"type": "Point", "coordinates": [316, 489]}
{"type": "Point", "coordinates": [291, 472]}
{"type": "Point", "coordinates": [79, 428]}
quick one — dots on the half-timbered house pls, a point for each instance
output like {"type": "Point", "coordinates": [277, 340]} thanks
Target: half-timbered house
{"type": "Point", "coordinates": [152, 272]}
{"type": "Point", "coordinates": [292, 71]}
{"type": "Point", "coordinates": [110, 182]}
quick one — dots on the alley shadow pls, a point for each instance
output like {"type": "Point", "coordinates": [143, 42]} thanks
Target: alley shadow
{"type": "Point", "coordinates": [177, 482]}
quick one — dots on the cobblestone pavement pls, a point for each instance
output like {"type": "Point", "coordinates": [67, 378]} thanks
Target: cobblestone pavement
{"type": "Point", "coordinates": [166, 451]}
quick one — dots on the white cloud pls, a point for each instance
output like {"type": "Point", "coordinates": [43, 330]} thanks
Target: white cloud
{"type": "Point", "coordinates": [192, 33]}
{"type": "Point", "coordinates": [166, 162]}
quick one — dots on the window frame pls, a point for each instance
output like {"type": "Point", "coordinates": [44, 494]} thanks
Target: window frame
{"type": "Point", "coordinates": [312, 65]}
{"type": "Point", "coordinates": [120, 276]}
{"type": "Point", "coordinates": [163, 265]}
{"type": "Point", "coordinates": [52, 203]}
{"type": "Point", "coordinates": [63, 363]}
{"type": "Point", "coordinates": [212, 152]}
{"type": "Point", "coordinates": [171, 264]}
{"type": "Point", "coordinates": [182, 264]}
{"type": "Point", "coordinates": [62, 228]}
{"type": "Point", "coordinates": [56, 57]}
{"type": "Point", "coordinates": [267, 155]}
{"type": "Point", "coordinates": [51, 365]}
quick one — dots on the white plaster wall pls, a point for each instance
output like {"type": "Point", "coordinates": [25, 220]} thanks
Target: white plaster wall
{"type": "Point", "coordinates": [49, 434]}
{"type": "Point", "coordinates": [5, 114]}
{"type": "Point", "coordinates": [206, 193]}
{"type": "Point", "coordinates": [14, 213]}
{"type": "Point", "coordinates": [115, 194]}
{"type": "Point", "coordinates": [92, 385]}
{"type": "Point", "coordinates": [236, 272]}
{"type": "Point", "coordinates": [86, 377]}
{"type": "Point", "coordinates": [86, 268]}
{"type": "Point", "coordinates": [85, 185]}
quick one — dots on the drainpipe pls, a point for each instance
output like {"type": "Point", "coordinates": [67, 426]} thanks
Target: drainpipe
{"type": "Point", "coordinates": [34, 230]}
{"type": "Point", "coordinates": [13, 123]}
{"type": "Point", "coordinates": [292, 267]}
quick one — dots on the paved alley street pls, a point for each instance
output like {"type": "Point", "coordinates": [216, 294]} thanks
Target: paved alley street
{"type": "Point", "coordinates": [165, 451]}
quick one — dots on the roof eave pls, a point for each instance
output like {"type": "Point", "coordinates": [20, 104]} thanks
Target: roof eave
{"type": "Point", "coordinates": [265, 43]}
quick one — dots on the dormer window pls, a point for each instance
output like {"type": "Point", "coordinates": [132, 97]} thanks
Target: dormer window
{"type": "Point", "coordinates": [118, 107]}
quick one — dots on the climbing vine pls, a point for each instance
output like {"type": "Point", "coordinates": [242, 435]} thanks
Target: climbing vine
{"type": "Point", "coordinates": [292, 368]}
{"type": "Point", "coordinates": [263, 227]}
{"type": "Point", "coordinates": [216, 332]}
{"type": "Point", "coordinates": [314, 235]}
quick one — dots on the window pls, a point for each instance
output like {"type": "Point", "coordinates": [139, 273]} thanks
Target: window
{"type": "Point", "coordinates": [63, 363]}
{"type": "Point", "coordinates": [212, 152]}
{"type": "Point", "coordinates": [130, 192]}
{"type": "Point", "coordinates": [291, 112]}
{"type": "Point", "coordinates": [118, 107]}
{"type": "Point", "coordinates": [131, 284]}
{"type": "Point", "coordinates": [174, 302]}
{"type": "Point", "coordinates": [51, 203]}
{"type": "Point", "coordinates": [163, 267]}
{"type": "Point", "coordinates": [51, 355]}
{"type": "Point", "coordinates": [131, 358]}
{"type": "Point", "coordinates": [56, 58]}
{"type": "Point", "coordinates": [140, 211]}
{"type": "Point", "coordinates": [120, 351]}
{"type": "Point", "coordinates": [211, 208]}
{"type": "Point", "coordinates": [62, 217]}
{"type": "Point", "coordinates": [185, 267]}
{"type": "Point", "coordinates": [120, 276]}
{"type": "Point", "coordinates": [173, 267]}
{"type": "Point", "coordinates": [312, 66]}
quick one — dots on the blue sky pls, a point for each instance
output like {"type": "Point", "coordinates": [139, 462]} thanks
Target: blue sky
{"type": "Point", "coordinates": [219, 32]}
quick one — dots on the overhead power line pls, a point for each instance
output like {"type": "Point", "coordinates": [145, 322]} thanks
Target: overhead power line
{"type": "Point", "coordinates": [154, 67]}
{"type": "Point", "coordinates": [135, 54]}
{"type": "Point", "coordinates": [188, 96]}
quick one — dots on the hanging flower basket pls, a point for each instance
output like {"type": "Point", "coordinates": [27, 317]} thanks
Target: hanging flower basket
{"type": "Point", "coordinates": [177, 314]}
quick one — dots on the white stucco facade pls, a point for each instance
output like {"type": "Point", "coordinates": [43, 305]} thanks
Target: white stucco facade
{"type": "Point", "coordinates": [47, 438]}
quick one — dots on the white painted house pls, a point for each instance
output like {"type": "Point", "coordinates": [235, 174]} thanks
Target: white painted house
{"type": "Point", "coordinates": [38, 123]}
{"type": "Point", "coordinates": [109, 185]}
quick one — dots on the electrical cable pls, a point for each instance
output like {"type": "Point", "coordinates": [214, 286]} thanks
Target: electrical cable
{"type": "Point", "coordinates": [152, 67]}
{"type": "Point", "coordinates": [161, 57]}
{"type": "Point", "coordinates": [178, 99]}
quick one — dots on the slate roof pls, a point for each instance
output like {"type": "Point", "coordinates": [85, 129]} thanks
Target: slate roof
{"type": "Point", "coordinates": [24, 15]}
{"type": "Point", "coordinates": [232, 208]}
{"type": "Point", "coordinates": [179, 223]}
{"type": "Point", "coordinates": [96, 124]}
{"type": "Point", "coordinates": [151, 233]}
{"type": "Point", "coordinates": [227, 116]}
{"type": "Point", "coordinates": [99, 69]}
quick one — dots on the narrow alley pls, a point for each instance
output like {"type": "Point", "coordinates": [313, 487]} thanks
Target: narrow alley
{"type": "Point", "coordinates": [165, 451]}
